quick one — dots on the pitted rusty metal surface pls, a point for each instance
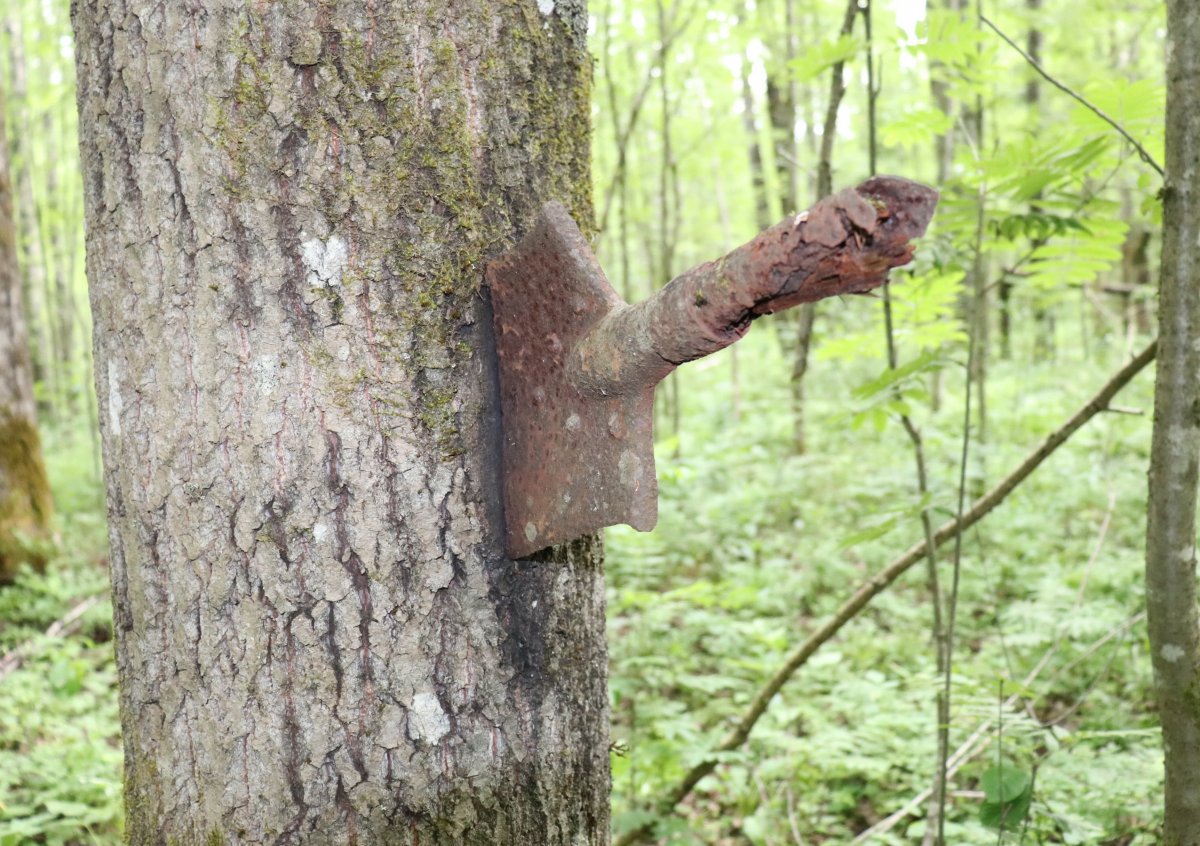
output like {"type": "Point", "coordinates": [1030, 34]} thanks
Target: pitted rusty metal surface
{"type": "Point", "coordinates": [578, 366]}
{"type": "Point", "coordinates": [574, 462]}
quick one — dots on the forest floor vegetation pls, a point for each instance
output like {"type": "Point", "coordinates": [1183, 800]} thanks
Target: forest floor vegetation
{"type": "Point", "coordinates": [755, 546]}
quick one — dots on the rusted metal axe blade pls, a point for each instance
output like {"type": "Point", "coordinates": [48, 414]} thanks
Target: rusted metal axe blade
{"type": "Point", "coordinates": [573, 462]}
{"type": "Point", "coordinates": [578, 366]}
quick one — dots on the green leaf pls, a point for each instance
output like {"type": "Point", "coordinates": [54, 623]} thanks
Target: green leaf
{"type": "Point", "coordinates": [67, 677]}
{"type": "Point", "coordinates": [927, 360]}
{"type": "Point", "coordinates": [825, 55]}
{"type": "Point", "coordinates": [1005, 816]}
{"type": "Point", "coordinates": [868, 533]}
{"type": "Point", "coordinates": [67, 809]}
{"type": "Point", "coordinates": [949, 39]}
{"type": "Point", "coordinates": [1004, 784]}
{"type": "Point", "coordinates": [915, 128]}
{"type": "Point", "coordinates": [1009, 793]}
{"type": "Point", "coordinates": [629, 820]}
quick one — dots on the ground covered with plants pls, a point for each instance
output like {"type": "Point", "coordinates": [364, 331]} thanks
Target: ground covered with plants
{"type": "Point", "coordinates": [755, 547]}
{"type": "Point", "coordinates": [60, 747]}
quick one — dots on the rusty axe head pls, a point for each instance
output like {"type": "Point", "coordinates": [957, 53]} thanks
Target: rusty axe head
{"type": "Point", "coordinates": [578, 366]}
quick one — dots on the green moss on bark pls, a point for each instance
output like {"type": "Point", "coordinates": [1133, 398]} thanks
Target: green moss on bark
{"type": "Point", "coordinates": [424, 138]}
{"type": "Point", "coordinates": [25, 502]}
{"type": "Point", "coordinates": [452, 178]}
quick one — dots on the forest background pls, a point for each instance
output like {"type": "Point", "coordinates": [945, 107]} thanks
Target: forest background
{"type": "Point", "coordinates": [791, 472]}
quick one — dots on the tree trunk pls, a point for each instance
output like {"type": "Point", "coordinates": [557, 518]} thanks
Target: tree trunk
{"type": "Point", "coordinates": [29, 239]}
{"type": "Point", "coordinates": [1171, 615]}
{"type": "Point", "coordinates": [1044, 320]}
{"type": "Point", "coordinates": [289, 208]}
{"type": "Point", "coordinates": [25, 504]}
{"type": "Point", "coordinates": [939, 87]}
{"type": "Point", "coordinates": [1135, 275]}
{"type": "Point", "coordinates": [60, 244]}
{"type": "Point", "coordinates": [758, 175]}
{"type": "Point", "coordinates": [781, 100]}
{"type": "Point", "coordinates": [806, 315]}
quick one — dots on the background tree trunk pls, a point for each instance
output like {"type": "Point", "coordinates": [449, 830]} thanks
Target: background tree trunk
{"type": "Point", "coordinates": [25, 503]}
{"type": "Point", "coordinates": [289, 208]}
{"type": "Point", "coordinates": [1171, 615]}
{"type": "Point", "coordinates": [782, 94]}
{"type": "Point", "coordinates": [806, 314]}
{"type": "Point", "coordinates": [758, 176]}
{"type": "Point", "coordinates": [28, 239]}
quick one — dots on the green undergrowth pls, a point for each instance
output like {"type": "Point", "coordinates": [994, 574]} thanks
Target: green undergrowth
{"type": "Point", "coordinates": [756, 546]}
{"type": "Point", "coordinates": [60, 753]}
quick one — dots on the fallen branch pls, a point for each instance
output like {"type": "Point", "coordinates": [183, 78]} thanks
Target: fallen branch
{"type": "Point", "coordinates": [66, 625]}
{"type": "Point", "coordinates": [885, 577]}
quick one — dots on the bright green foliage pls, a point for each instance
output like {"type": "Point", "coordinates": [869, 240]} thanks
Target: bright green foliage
{"type": "Point", "coordinates": [823, 55]}
{"type": "Point", "coordinates": [1007, 794]}
{"type": "Point", "coordinates": [753, 551]}
{"type": "Point", "coordinates": [756, 546]}
{"type": "Point", "coordinates": [60, 771]}
{"type": "Point", "coordinates": [60, 752]}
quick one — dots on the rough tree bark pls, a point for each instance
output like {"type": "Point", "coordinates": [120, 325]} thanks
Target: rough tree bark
{"type": "Point", "coordinates": [289, 207]}
{"type": "Point", "coordinates": [1171, 614]}
{"type": "Point", "coordinates": [25, 503]}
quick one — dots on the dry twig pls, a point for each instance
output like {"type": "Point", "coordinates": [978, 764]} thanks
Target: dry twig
{"type": "Point", "coordinates": [66, 625]}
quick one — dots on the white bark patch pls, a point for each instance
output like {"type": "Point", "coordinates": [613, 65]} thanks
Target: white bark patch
{"type": "Point", "coordinates": [320, 532]}
{"type": "Point", "coordinates": [1172, 653]}
{"type": "Point", "coordinates": [546, 7]}
{"type": "Point", "coordinates": [266, 374]}
{"type": "Point", "coordinates": [426, 719]}
{"type": "Point", "coordinates": [441, 574]}
{"type": "Point", "coordinates": [116, 403]}
{"type": "Point", "coordinates": [324, 260]}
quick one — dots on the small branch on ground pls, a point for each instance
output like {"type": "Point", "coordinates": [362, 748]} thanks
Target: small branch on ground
{"type": "Point", "coordinates": [64, 626]}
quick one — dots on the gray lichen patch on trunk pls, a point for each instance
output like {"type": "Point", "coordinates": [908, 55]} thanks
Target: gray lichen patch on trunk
{"type": "Point", "coordinates": [289, 210]}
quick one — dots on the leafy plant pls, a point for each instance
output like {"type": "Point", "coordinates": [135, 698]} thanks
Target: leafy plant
{"type": "Point", "coordinates": [1008, 793]}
